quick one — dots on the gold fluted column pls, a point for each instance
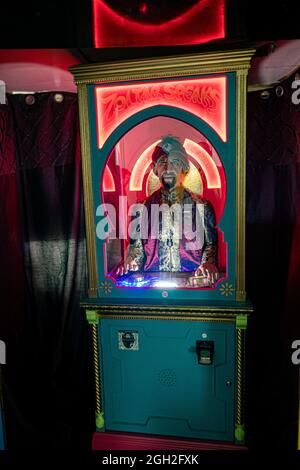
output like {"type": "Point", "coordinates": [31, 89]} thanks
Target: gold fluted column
{"type": "Point", "coordinates": [88, 192]}
{"type": "Point", "coordinates": [241, 102]}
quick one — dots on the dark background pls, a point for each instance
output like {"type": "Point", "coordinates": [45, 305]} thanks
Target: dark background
{"type": "Point", "coordinates": [68, 23]}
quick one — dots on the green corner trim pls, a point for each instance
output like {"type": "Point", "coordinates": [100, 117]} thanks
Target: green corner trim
{"type": "Point", "coordinates": [241, 322]}
{"type": "Point", "coordinates": [239, 432]}
{"type": "Point", "coordinates": [100, 420]}
{"type": "Point", "coordinates": [92, 317]}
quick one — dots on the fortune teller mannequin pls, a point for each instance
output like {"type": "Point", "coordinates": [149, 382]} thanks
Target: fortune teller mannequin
{"type": "Point", "coordinates": [185, 237]}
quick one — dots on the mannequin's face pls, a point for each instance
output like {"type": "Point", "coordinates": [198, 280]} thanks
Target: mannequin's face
{"type": "Point", "coordinates": [169, 171]}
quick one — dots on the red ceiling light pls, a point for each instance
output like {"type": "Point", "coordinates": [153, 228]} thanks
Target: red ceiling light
{"type": "Point", "coordinates": [199, 22]}
{"type": "Point", "coordinates": [143, 8]}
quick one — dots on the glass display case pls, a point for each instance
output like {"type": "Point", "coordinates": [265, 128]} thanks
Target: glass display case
{"type": "Point", "coordinates": [163, 152]}
{"type": "Point", "coordinates": [132, 219]}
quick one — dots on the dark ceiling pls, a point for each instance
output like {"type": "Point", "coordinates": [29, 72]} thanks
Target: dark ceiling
{"type": "Point", "coordinates": [68, 23]}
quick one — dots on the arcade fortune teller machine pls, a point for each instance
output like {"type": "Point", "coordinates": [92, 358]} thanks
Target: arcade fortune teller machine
{"type": "Point", "coordinates": [163, 154]}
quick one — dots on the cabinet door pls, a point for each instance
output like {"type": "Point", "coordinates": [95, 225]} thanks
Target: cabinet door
{"type": "Point", "coordinates": [153, 381]}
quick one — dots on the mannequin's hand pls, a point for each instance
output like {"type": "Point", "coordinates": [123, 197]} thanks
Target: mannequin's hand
{"type": "Point", "coordinates": [208, 270]}
{"type": "Point", "coordinates": [128, 265]}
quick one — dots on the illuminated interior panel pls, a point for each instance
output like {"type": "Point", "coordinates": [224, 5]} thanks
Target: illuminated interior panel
{"type": "Point", "coordinates": [129, 173]}
{"type": "Point", "coordinates": [205, 98]}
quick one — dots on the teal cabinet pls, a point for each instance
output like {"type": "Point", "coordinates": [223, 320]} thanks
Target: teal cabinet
{"type": "Point", "coordinates": [154, 382]}
{"type": "Point", "coordinates": [166, 301]}
{"type": "Point", "coordinates": [170, 371]}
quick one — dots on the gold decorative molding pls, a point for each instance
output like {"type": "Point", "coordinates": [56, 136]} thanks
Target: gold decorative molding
{"type": "Point", "coordinates": [106, 287]}
{"type": "Point", "coordinates": [227, 289]}
{"type": "Point", "coordinates": [170, 318]}
{"type": "Point", "coordinates": [88, 193]}
{"type": "Point", "coordinates": [162, 67]}
{"type": "Point", "coordinates": [172, 312]}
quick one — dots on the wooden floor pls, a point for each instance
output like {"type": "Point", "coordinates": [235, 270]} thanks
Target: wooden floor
{"type": "Point", "coordinates": [123, 441]}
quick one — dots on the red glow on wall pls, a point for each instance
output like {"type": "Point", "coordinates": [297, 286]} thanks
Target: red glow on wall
{"type": "Point", "coordinates": [202, 22]}
{"type": "Point", "coordinates": [60, 58]}
{"type": "Point", "coordinates": [206, 98]}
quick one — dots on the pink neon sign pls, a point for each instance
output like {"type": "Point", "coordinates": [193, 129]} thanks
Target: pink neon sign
{"type": "Point", "coordinates": [206, 98]}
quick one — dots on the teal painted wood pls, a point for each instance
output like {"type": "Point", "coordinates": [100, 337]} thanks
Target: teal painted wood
{"type": "Point", "coordinates": [236, 308]}
{"type": "Point", "coordinates": [227, 153]}
{"type": "Point", "coordinates": [160, 388]}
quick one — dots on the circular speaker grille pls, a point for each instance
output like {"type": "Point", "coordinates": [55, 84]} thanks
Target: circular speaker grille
{"type": "Point", "coordinates": [167, 377]}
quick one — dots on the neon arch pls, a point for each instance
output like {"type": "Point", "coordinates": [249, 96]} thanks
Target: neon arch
{"type": "Point", "coordinates": [141, 167]}
{"type": "Point", "coordinates": [206, 162]}
{"type": "Point", "coordinates": [202, 157]}
{"type": "Point", "coordinates": [108, 180]}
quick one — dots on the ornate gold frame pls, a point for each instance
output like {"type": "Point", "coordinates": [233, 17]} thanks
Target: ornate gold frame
{"type": "Point", "coordinates": [237, 61]}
